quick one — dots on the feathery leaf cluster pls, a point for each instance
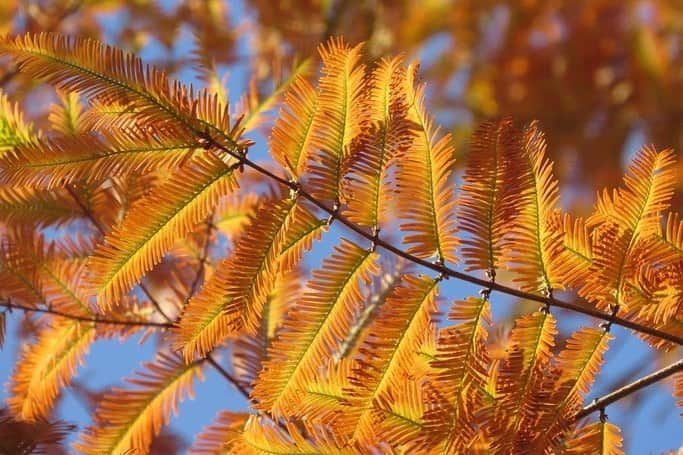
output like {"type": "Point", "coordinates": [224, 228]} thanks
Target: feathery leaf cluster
{"type": "Point", "coordinates": [341, 359]}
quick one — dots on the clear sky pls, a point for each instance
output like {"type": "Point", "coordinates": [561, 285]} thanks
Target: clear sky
{"type": "Point", "coordinates": [655, 428]}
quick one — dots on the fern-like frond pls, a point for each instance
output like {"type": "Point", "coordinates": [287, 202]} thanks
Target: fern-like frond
{"type": "Point", "coordinates": [14, 130]}
{"type": "Point", "coordinates": [338, 119]}
{"type": "Point", "coordinates": [578, 365]}
{"type": "Point", "coordinates": [255, 258]}
{"type": "Point", "coordinates": [313, 328]}
{"type": "Point", "coordinates": [325, 400]}
{"type": "Point", "coordinates": [426, 195]}
{"type": "Point", "coordinates": [261, 438]}
{"type": "Point", "coordinates": [46, 366]}
{"type": "Point", "coordinates": [531, 241]}
{"type": "Point", "coordinates": [233, 298]}
{"type": "Point", "coordinates": [22, 252]}
{"type": "Point", "coordinates": [389, 349]}
{"type": "Point", "coordinates": [385, 135]}
{"type": "Point", "coordinates": [234, 213]}
{"type": "Point", "coordinates": [600, 438]}
{"type": "Point", "coordinates": [462, 372]}
{"type": "Point", "coordinates": [216, 438]}
{"type": "Point", "coordinates": [648, 186]}
{"type": "Point", "coordinates": [250, 351]}
{"type": "Point", "coordinates": [155, 223]}
{"type": "Point", "coordinates": [400, 412]}
{"type": "Point", "coordinates": [37, 207]}
{"type": "Point", "coordinates": [32, 438]}
{"type": "Point", "coordinates": [93, 157]}
{"type": "Point", "coordinates": [630, 214]}
{"type": "Point", "coordinates": [524, 368]}
{"type": "Point", "coordinates": [487, 202]}
{"type": "Point", "coordinates": [129, 418]}
{"type": "Point", "coordinates": [379, 292]}
{"type": "Point", "coordinates": [302, 229]}
{"type": "Point", "coordinates": [571, 266]}
{"type": "Point", "coordinates": [112, 76]}
{"type": "Point", "coordinates": [606, 275]}
{"type": "Point", "coordinates": [665, 246]}
{"type": "Point", "coordinates": [291, 139]}
{"type": "Point", "coordinates": [66, 117]}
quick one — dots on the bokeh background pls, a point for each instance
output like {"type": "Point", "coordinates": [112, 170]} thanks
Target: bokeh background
{"type": "Point", "coordinates": [604, 77]}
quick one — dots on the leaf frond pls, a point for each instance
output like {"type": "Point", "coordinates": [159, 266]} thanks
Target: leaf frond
{"type": "Point", "coordinates": [155, 223]}
{"type": "Point", "coordinates": [46, 367]}
{"type": "Point", "coordinates": [93, 157]}
{"type": "Point", "coordinates": [601, 438]}
{"type": "Point", "coordinates": [390, 346]}
{"type": "Point", "coordinates": [216, 438]}
{"type": "Point", "coordinates": [314, 328]}
{"type": "Point", "coordinates": [426, 195]}
{"type": "Point", "coordinates": [384, 136]}
{"type": "Point", "coordinates": [338, 119]}
{"type": "Point", "coordinates": [487, 202]}
{"type": "Point", "coordinates": [532, 242]}
{"type": "Point", "coordinates": [129, 418]}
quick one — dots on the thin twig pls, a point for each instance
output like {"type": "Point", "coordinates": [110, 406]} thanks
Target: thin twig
{"type": "Point", "coordinates": [86, 211]}
{"type": "Point", "coordinates": [606, 400]}
{"type": "Point", "coordinates": [233, 380]}
{"type": "Point", "coordinates": [97, 320]}
{"type": "Point", "coordinates": [202, 259]}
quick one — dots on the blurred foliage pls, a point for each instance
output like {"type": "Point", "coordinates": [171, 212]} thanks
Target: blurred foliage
{"type": "Point", "coordinates": [602, 76]}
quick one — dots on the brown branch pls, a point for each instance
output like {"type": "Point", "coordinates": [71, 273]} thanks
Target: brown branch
{"type": "Point", "coordinates": [605, 400]}
{"type": "Point", "coordinates": [230, 378]}
{"type": "Point", "coordinates": [202, 260]}
{"type": "Point", "coordinates": [97, 320]}
{"type": "Point", "coordinates": [440, 268]}
{"type": "Point", "coordinates": [86, 211]}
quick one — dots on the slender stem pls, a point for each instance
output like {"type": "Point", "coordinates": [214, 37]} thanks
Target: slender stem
{"type": "Point", "coordinates": [229, 377]}
{"type": "Point", "coordinates": [441, 268]}
{"type": "Point", "coordinates": [154, 302]}
{"type": "Point", "coordinates": [86, 211]}
{"type": "Point", "coordinates": [606, 400]}
{"type": "Point", "coordinates": [97, 320]}
{"type": "Point", "coordinates": [202, 259]}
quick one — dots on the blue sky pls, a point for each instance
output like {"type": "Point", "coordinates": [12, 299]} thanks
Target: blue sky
{"type": "Point", "coordinates": [655, 428]}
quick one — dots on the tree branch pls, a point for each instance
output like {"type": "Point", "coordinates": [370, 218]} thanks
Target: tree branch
{"type": "Point", "coordinates": [439, 267]}
{"type": "Point", "coordinates": [623, 392]}
{"type": "Point", "coordinates": [97, 320]}
{"type": "Point", "coordinates": [202, 259]}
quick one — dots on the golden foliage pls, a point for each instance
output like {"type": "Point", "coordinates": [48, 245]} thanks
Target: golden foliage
{"type": "Point", "coordinates": [351, 356]}
{"type": "Point", "coordinates": [313, 327]}
{"type": "Point", "coordinates": [389, 347]}
{"type": "Point", "coordinates": [217, 438]}
{"type": "Point", "coordinates": [602, 438]}
{"type": "Point", "coordinates": [337, 119]}
{"type": "Point", "coordinates": [425, 191]}
{"type": "Point", "coordinates": [153, 225]}
{"type": "Point", "coordinates": [532, 243]}
{"type": "Point", "coordinates": [129, 418]}
{"type": "Point", "coordinates": [487, 202]}
{"type": "Point", "coordinates": [385, 136]}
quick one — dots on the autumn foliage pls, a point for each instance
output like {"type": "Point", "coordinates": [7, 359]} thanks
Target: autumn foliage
{"type": "Point", "coordinates": [140, 206]}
